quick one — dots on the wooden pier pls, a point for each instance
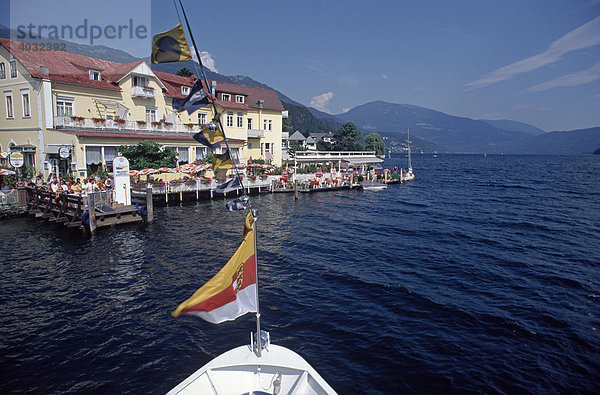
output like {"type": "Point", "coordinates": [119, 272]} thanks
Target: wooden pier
{"type": "Point", "coordinates": [88, 213]}
{"type": "Point", "coordinates": [175, 193]}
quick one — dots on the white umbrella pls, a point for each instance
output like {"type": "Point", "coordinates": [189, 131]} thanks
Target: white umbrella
{"type": "Point", "coordinates": [6, 172]}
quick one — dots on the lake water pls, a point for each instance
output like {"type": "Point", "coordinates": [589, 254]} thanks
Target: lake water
{"type": "Point", "coordinates": [482, 275]}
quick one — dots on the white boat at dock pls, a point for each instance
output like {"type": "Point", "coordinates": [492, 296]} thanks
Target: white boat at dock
{"type": "Point", "coordinates": [408, 175]}
{"type": "Point", "coordinates": [370, 185]}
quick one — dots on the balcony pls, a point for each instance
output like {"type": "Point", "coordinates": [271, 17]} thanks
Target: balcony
{"type": "Point", "coordinates": [143, 92]}
{"type": "Point", "coordinates": [112, 125]}
{"type": "Point", "coordinates": [256, 133]}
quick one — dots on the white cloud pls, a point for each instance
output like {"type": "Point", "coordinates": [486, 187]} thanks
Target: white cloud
{"type": "Point", "coordinates": [585, 36]}
{"type": "Point", "coordinates": [320, 102]}
{"type": "Point", "coordinates": [345, 109]}
{"type": "Point", "coordinates": [207, 59]}
{"type": "Point", "coordinates": [574, 79]}
{"type": "Point", "coordinates": [384, 76]}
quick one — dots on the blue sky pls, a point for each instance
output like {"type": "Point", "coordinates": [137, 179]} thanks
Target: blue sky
{"type": "Point", "coordinates": [531, 61]}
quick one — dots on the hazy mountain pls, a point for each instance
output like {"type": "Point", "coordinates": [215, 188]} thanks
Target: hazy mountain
{"type": "Point", "coordinates": [574, 142]}
{"type": "Point", "coordinates": [320, 114]}
{"type": "Point", "coordinates": [301, 119]}
{"type": "Point", "coordinates": [455, 133]}
{"type": "Point", "coordinates": [330, 120]}
{"type": "Point", "coordinates": [93, 51]}
{"type": "Point", "coordinates": [418, 146]}
{"type": "Point", "coordinates": [514, 126]}
{"type": "Point", "coordinates": [430, 130]}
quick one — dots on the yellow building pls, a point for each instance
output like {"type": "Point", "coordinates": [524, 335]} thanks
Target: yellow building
{"type": "Point", "coordinates": [68, 112]}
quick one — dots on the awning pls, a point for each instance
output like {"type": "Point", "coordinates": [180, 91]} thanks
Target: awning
{"type": "Point", "coordinates": [93, 155]}
{"type": "Point", "coordinates": [53, 149]}
{"type": "Point", "coordinates": [24, 148]}
{"type": "Point", "coordinates": [367, 159]}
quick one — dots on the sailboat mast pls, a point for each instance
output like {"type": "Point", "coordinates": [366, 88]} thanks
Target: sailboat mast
{"type": "Point", "coordinates": [408, 144]}
{"type": "Point", "coordinates": [258, 336]}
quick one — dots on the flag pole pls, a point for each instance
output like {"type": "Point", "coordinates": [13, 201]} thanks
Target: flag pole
{"type": "Point", "coordinates": [212, 99]}
{"type": "Point", "coordinates": [258, 336]}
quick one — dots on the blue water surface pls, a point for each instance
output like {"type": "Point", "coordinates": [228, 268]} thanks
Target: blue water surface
{"type": "Point", "coordinates": [481, 275]}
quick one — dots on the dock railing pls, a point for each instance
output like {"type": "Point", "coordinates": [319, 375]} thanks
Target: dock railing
{"type": "Point", "coordinates": [9, 198]}
{"type": "Point", "coordinates": [331, 156]}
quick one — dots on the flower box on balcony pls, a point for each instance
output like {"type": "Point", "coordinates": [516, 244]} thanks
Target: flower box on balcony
{"type": "Point", "coordinates": [120, 121]}
{"type": "Point", "coordinates": [98, 120]}
{"type": "Point", "coordinates": [156, 124]}
{"type": "Point", "coordinates": [77, 119]}
{"type": "Point", "coordinates": [141, 123]}
{"type": "Point", "coordinates": [168, 123]}
{"type": "Point", "coordinates": [148, 87]}
{"type": "Point", "coordinates": [190, 125]}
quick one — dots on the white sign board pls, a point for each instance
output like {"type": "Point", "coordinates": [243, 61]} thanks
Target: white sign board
{"type": "Point", "coordinates": [64, 152]}
{"type": "Point", "coordinates": [16, 159]}
{"type": "Point", "coordinates": [122, 180]}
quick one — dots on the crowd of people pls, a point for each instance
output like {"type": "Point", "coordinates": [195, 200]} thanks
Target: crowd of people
{"type": "Point", "coordinates": [79, 186]}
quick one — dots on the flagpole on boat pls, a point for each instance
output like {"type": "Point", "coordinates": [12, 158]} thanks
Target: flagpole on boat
{"type": "Point", "coordinates": [212, 99]}
{"type": "Point", "coordinates": [258, 336]}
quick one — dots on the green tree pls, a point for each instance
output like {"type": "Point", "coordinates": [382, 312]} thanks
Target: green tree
{"type": "Point", "coordinates": [148, 154]}
{"type": "Point", "coordinates": [286, 126]}
{"type": "Point", "coordinates": [347, 138]}
{"type": "Point", "coordinates": [295, 145]}
{"type": "Point", "coordinates": [373, 142]}
{"type": "Point", "coordinates": [323, 146]}
{"type": "Point", "coordinates": [184, 72]}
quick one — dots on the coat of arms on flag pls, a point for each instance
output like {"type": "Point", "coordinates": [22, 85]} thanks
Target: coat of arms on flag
{"type": "Point", "coordinates": [232, 292]}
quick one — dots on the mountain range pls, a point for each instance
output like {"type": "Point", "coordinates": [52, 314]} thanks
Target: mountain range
{"type": "Point", "coordinates": [430, 130]}
{"type": "Point", "coordinates": [465, 135]}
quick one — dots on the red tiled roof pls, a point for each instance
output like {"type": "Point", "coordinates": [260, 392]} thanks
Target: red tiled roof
{"type": "Point", "coordinates": [174, 82]}
{"type": "Point", "coordinates": [253, 95]}
{"type": "Point", "coordinates": [72, 68]}
{"type": "Point", "coordinates": [67, 67]}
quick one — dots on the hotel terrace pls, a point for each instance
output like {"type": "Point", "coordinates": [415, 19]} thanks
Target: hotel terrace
{"type": "Point", "coordinates": [69, 112]}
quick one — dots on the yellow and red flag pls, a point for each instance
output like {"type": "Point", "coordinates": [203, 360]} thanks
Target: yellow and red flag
{"type": "Point", "coordinates": [231, 292]}
{"type": "Point", "coordinates": [248, 223]}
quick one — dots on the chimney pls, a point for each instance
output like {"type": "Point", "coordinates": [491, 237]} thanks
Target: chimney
{"type": "Point", "coordinates": [261, 103]}
{"type": "Point", "coordinates": [44, 70]}
{"type": "Point", "coordinates": [214, 88]}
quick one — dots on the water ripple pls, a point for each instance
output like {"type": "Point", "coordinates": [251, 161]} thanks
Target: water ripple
{"type": "Point", "coordinates": [479, 276]}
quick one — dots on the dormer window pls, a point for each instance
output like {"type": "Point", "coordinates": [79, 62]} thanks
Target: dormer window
{"type": "Point", "coordinates": [185, 90]}
{"type": "Point", "coordinates": [139, 81]}
{"type": "Point", "coordinates": [225, 97]}
{"type": "Point", "coordinates": [13, 68]}
{"type": "Point", "coordinates": [94, 75]}
{"type": "Point", "coordinates": [239, 98]}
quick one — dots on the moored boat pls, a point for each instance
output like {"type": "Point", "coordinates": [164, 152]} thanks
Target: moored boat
{"type": "Point", "coordinates": [408, 175]}
{"type": "Point", "coordinates": [369, 185]}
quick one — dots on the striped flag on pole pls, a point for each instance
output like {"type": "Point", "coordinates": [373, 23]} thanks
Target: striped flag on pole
{"type": "Point", "coordinates": [231, 292]}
